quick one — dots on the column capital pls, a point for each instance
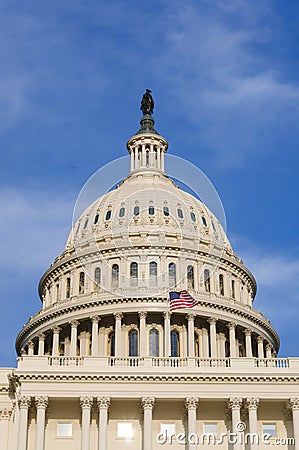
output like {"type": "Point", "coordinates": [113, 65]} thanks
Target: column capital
{"type": "Point", "coordinates": [247, 332]}
{"type": "Point", "coordinates": [95, 319]}
{"type": "Point", "coordinates": [74, 323]}
{"type": "Point", "coordinates": [231, 325]}
{"type": "Point", "coordinates": [5, 413]}
{"type": "Point", "coordinates": [235, 403]}
{"type": "Point", "coordinates": [41, 402]}
{"type": "Point", "coordinates": [30, 344]}
{"type": "Point", "coordinates": [148, 403]}
{"type": "Point", "coordinates": [294, 403]}
{"type": "Point", "coordinates": [56, 329]}
{"type": "Point", "coordinates": [287, 413]}
{"type": "Point", "coordinates": [191, 403]}
{"type": "Point", "coordinates": [103, 402]}
{"type": "Point", "coordinates": [252, 403]}
{"type": "Point", "coordinates": [118, 315]}
{"type": "Point", "coordinates": [268, 346]}
{"type": "Point", "coordinates": [24, 402]}
{"type": "Point", "coordinates": [86, 402]}
{"type": "Point", "coordinates": [260, 339]}
{"type": "Point", "coordinates": [190, 316]}
{"type": "Point", "coordinates": [212, 320]}
{"type": "Point", "coordinates": [167, 314]}
{"type": "Point", "coordinates": [142, 314]}
{"type": "Point", "coordinates": [41, 336]}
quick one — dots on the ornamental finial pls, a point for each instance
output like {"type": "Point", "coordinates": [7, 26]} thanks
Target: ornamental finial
{"type": "Point", "coordinates": [147, 107]}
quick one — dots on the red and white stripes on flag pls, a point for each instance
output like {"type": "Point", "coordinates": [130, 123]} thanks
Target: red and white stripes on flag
{"type": "Point", "coordinates": [180, 300]}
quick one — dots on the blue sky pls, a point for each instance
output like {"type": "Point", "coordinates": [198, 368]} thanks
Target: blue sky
{"type": "Point", "coordinates": [224, 76]}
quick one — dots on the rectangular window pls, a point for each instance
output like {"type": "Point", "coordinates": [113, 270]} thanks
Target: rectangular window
{"type": "Point", "coordinates": [270, 428]}
{"type": "Point", "coordinates": [125, 430]}
{"type": "Point", "coordinates": [210, 428]}
{"type": "Point", "coordinates": [64, 429]}
{"type": "Point", "coordinates": [167, 429]}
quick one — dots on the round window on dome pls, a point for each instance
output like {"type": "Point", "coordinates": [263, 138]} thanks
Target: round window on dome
{"type": "Point", "coordinates": [193, 216]}
{"type": "Point", "coordinates": [180, 213]}
{"type": "Point", "coordinates": [108, 215]}
{"type": "Point", "coordinates": [121, 212]}
{"type": "Point", "coordinates": [166, 211]}
{"type": "Point", "coordinates": [96, 219]}
{"type": "Point", "coordinates": [136, 210]}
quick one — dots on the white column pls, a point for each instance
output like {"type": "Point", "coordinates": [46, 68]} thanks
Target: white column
{"type": "Point", "coordinates": [158, 158]}
{"type": "Point", "coordinates": [41, 344]}
{"type": "Point", "coordinates": [235, 406]}
{"type": "Point", "coordinates": [55, 344]}
{"type": "Point", "coordinates": [294, 405]}
{"type": "Point", "coordinates": [260, 347]}
{"type": "Point", "coordinates": [213, 344]}
{"type": "Point", "coordinates": [142, 328]}
{"type": "Point", "coordinates": [103, 405]}
{"type": "Point", "coordinates": [191, 404]}
{"type": "Point", "coordinates": [232, 339]}
{"type": "Point", "coordinates": [95, 336]}
{"type": "Point", "coordinates": [143, 156]}
{"type": "Point", "coordinates": [222, 345]}
{"type": "Point", "coordinates": [167, 347]}
{"type": "Point", "coordinates": [205, 343]}
{"type": "Point", "coordinates": [5, 415]}
{"type": "Point", "coordinates": [136, 157]}
{"type": "Point", "coordinates": [30, 348]}
{"type": "Point", "coordinates": [162, 159]}
{"type": "Point", "coordinates": [74, 325]}
{"type": "Point", "coordinates": [147, 405]}
{"type": "Point", "coordinates": [24, 403]}
{"type": "Point", "coordinates": [191, 351]}
{"type": "Point", "coordinates": [252, 405]}
{"type": "Point", "coordinates": [132, 157]}
{"type": "Point", "coordinates": [41, 404]}
{"type": "Point", "coordinates": [268, 351]}
{"type": "Point", "coordinates": [248, 343]}
{"type": "Point", "coordinates": [118, 317]}
{"type": "Point", "coordinates": [86, 404]}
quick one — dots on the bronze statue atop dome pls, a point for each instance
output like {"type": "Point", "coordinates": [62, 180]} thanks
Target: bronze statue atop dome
{"type": "Point", "coordinates": [147, 103]}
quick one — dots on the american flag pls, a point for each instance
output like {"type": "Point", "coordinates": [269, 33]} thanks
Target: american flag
{"type": "Point", "coordinates": [180, 300]}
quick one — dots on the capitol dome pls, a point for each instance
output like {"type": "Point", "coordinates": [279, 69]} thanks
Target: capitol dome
{"type": "Point", "coordinates": [126, 251]}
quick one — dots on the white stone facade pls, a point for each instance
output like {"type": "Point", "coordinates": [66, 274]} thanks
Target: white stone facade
{"type": "Point", "coordinates": [105, 363]}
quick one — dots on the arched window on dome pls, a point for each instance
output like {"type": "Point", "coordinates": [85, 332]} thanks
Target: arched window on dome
{"type": "Point", "coordinates": [190, 277]}
{"type": "Point", "coordinates": [174, 343]}
{"type": "Point", "coordinates": [154, 342]}
{"type": "Point", "coordinates": [153, 273]}
{"type": "Point", "coordinates": [172, 274]}
{"type": "Point", "coordinates": [233, 285]}
{"type": "Point", "coordinates": [115, 276]}
{"type": "Point", "coordinates": [108, 214]}
{"type": "Point", "coordinates": [134, 274]}
{"type": "Point", "coordinates": [85, 224]}
{"type": "Point", "coordinates": [96, 219]}
{"type": "Point", "coordinates": [81, 282]}
{"type": "Point", "coordinates": [68, 287]}
{"type": "Point", "coordinates": [121, 212]}
{"type": "Point", "coordinates": [166, 211]}
{"type": "Point", "coordinates": [193, 216]}
{"type": "Point", "coordinates": [221, 284]}
{"type": "Point", "coordinates": [147, 158]}
{"type": "Point", "coordinates": [111, 344]}
{"type": "Point", "coordinates": [97, 277]}
{"type": "Point", "coordinates": [136, 210]}
{"type": "Point", "coordinates": [151, 210]}
{"type": "Point", "coordinates": [133, 343]}
{"type": "Point", "coordinates": [204, 221]}
{"type": "Point", "coordinates": [207, 280]}
{"type": "Point", "coordinates": [180, 213]}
